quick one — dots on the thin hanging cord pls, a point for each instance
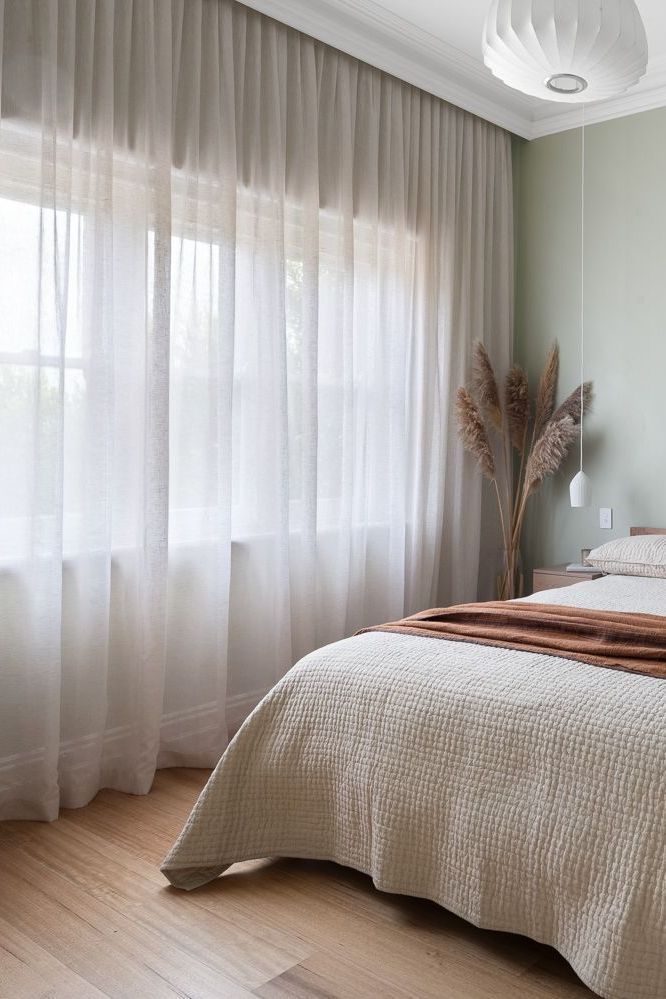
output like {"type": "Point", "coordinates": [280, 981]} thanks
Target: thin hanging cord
{"type": "Point", "coordinates": [582, 280]}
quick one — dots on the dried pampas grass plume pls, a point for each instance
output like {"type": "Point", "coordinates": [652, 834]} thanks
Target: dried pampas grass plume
{"type": "Point", "coordinates": [571, 405]}
{"type": "Point", "coordinates": [473, 432]}
{"type": "Point", "coordinates": [491, 427]}
{"type": "Point", "coordinates": [545, 399]}
{"type": "Point", "coordinates": [550, 450]}
{"type": "Point", "coordinates": [485, 385]}
{"type": "Point", "coordinates": [517, 397]}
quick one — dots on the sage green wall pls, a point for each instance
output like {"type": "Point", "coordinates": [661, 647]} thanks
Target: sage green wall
{"type": "Point", "coordinates": [625, 318]}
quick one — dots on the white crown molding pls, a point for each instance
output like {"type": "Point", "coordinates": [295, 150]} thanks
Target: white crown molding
{"type": "Point", "coordinates": [648, 94]}
{"type": "Point", "coordinates": [368, 31]}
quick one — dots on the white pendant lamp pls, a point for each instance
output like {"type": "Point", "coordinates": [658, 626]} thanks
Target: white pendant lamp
{"type": "Point", "coordinates": [579, 490]}
{"type": "Point", "coordinates": [566, 50]}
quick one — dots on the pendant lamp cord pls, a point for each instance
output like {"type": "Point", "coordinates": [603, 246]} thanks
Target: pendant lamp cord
{"type": "Point", "coordinates": [582, 280]}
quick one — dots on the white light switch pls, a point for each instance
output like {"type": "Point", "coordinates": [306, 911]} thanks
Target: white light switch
{"type": "Point", "coordinates": [605, 518]}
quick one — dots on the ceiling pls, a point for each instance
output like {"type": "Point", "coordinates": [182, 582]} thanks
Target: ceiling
{"type": "Point", "coordinates": [436, 45]}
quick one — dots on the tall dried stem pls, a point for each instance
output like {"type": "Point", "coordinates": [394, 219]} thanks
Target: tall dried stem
{"type": "Point", "coordinates": [545, 458]}
{"type": "Point", "coordinates": [480, 411]}
{"type": "Point", "coordinates": [517, 403]}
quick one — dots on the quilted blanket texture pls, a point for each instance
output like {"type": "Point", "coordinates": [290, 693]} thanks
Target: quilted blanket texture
{"type": "Point", "coordinates": [521, 791]}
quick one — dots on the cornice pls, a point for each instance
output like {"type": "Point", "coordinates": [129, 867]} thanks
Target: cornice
{"type": "Point", "coordinates": [648, 94]}
{"type": "Point", "coordinates": [366, 30]}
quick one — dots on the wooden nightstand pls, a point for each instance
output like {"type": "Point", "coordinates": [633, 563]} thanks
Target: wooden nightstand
{"type": "Point", "coordinates": [551, 576]}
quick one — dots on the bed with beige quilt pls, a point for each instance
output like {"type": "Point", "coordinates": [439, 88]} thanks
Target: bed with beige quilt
{"type": "Point", "coordinates": [523, 791]}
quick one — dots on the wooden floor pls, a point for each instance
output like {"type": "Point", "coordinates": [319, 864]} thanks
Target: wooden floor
{"type": "Point", "coordinates": [84, 911]}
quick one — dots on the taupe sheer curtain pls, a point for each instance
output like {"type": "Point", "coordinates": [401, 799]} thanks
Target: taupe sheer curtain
{"type": "Point", "coordinates": [240, 275]}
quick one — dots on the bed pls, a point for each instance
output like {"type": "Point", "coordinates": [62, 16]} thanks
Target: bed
{"type": "Point", "coordinates": [522, 791]}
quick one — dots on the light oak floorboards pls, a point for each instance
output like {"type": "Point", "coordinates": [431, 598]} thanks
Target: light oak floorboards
{"type": "Point", "coordinates": [85, 912]}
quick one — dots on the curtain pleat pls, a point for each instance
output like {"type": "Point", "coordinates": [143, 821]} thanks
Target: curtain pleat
{"type": "Point", "coordinates": [241, 274]}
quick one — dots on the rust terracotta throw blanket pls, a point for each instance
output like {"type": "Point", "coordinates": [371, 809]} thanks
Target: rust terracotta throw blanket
{"type": "Point", "coordinates": [632, 642]}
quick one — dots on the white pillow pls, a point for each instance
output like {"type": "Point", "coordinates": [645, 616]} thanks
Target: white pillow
{"type": "Point", "coordinates": [644, 555]}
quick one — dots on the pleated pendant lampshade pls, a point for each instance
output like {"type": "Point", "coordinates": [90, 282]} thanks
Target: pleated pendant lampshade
{"type": "Point", "coordinates": [566, 50]}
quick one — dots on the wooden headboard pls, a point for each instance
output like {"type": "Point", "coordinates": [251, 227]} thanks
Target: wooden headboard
{"type": "Point", "coordinates": [634, 531]}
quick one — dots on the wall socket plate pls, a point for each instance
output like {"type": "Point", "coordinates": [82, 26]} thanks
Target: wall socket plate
{"type": "Point", "coordinates": [605, 518]}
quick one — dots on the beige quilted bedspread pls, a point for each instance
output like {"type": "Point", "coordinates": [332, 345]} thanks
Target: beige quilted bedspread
{"type": "Point", "coordinates": [523, 792]}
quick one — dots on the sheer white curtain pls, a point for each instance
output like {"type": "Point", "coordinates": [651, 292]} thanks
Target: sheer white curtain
{"type": "Point", "coordinates": [240, 275]}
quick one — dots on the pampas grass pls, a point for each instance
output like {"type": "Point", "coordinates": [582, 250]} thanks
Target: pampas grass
{"type": "Point", "coordinates": [484, 385]}
{"type": "Point", "coordinates": [545, 397]}
{"type": "Point", "coordinates": [571, 405]}
{"type": "Point", "coordinates": [480, 411]}
{"type": "Point", "coordinates": [473, 432]}
{"type": "Point", "coordinates": [517, 401]}
{"type": "Point", "coordinates": [549, 451]}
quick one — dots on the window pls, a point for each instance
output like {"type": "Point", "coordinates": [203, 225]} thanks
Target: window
{"type": "Point", "coordinates": [340, 350]}
{"type": "Point", "coordinates": [31, 363]}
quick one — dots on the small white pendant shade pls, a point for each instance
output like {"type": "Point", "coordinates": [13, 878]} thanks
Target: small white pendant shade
{"type": "Point", "coordinates": [579, 490]}
{"type": "Point", "coordinates": [566, 50]}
